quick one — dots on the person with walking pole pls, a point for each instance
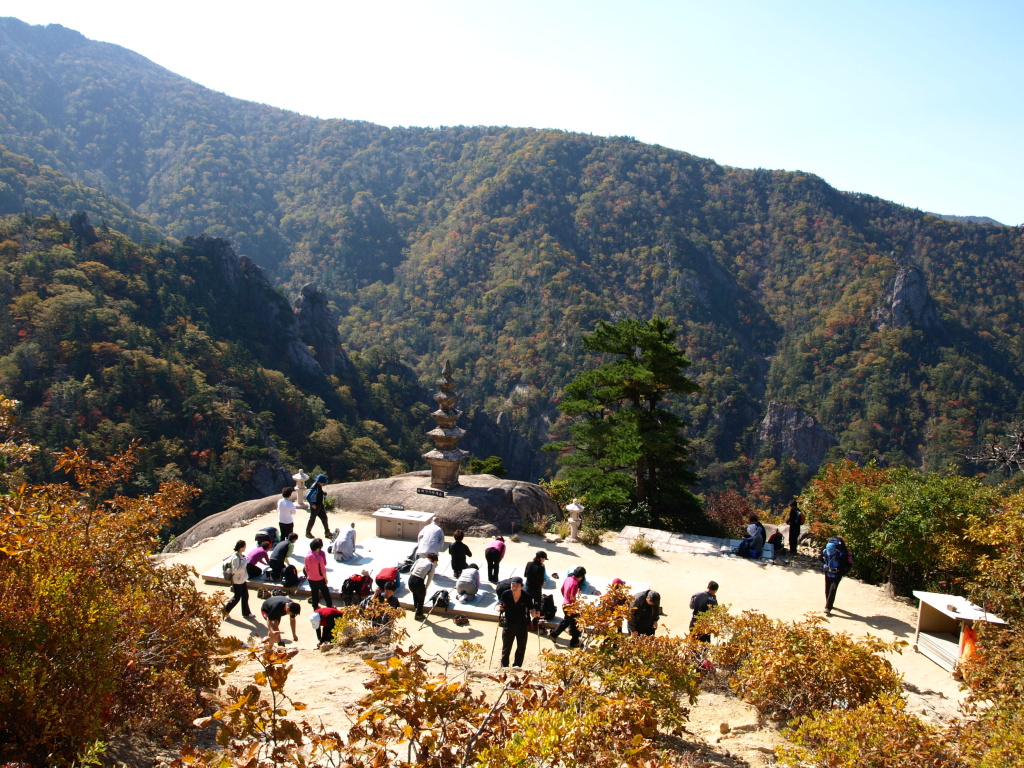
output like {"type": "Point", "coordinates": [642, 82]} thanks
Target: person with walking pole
{"type": "Point", "coordinates": [517, 608]}
{"type": "Point", "coordinates": [497, 630]}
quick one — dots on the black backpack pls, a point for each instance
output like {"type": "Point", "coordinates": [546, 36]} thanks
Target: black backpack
{"type": "Point", "coordinates": [290, 577]}
{"type": "Point", "coordinates": [547, 607]}
{"type": "Point", "coordinates": [776, 541]}
{"type": "Point", "coordinates": [266, 534]}
{"type": "Point", "coordinates": [440, 599]}
{"type": "Point", "coordinates": [503, 586]}
{"type": "Point", "coordinates": [409, 562]}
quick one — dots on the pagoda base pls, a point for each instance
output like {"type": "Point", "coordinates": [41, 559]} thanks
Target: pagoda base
{"type": "Point", "coordinates": [444, 468]}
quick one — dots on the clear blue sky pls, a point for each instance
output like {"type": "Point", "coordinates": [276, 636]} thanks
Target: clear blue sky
{"type": "Point", "coordinates": [917, 102]}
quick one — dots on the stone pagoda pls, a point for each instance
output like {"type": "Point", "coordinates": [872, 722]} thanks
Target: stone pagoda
{"type": "Point", "coordinates": [444, 459]}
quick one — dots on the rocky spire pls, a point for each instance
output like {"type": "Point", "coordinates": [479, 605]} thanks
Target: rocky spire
{"type": "Point", "coordinates": [444, 459]}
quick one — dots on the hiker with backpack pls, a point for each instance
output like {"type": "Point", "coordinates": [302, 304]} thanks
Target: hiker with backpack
{"type": "Point", "coordinates": [257, 555]}
{"type": "Point", "coordinates": [420, 576]}
{"type": "Point", "coordinates": [517, 609]}
{"type": "Point", "coordinates": [701, 602]}
{"type": "Point", "coordinates": [286, 512]}
{"type": "Point", "coordinates": [239, 577]}
{"type": "Point", "coordinates": [278, 558]}
{"type": "Point", "coordinates": [317, 499]}
{"type": "Point", "coordinates": [795, 520]}
{"type": "Point", "coordinates": [836, 560]}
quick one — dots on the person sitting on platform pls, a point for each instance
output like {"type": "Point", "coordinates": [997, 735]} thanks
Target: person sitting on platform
{"type": "Point", "coordinates": [256, 556]}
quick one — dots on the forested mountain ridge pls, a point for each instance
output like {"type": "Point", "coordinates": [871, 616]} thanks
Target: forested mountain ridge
{"type": "Point", "coordinates": [190, 350]}
{"type": "Point", "coordinates": [497, 247]}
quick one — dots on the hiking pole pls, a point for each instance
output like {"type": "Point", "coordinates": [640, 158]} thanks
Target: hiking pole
{"type": "Point", "coordinates": [424, 622]}
{"type": "Point", "coordinates": [495, 643]}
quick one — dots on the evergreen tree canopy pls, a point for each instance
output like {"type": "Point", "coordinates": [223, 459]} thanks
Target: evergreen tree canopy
{"type": "Point", "coordinates": [627, 453]}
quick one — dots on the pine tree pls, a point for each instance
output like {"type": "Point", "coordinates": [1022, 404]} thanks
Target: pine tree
{"type": "Point", "coordinates": [627, 452]}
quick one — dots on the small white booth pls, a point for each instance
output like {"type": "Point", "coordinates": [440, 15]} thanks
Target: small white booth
{"type": "Point", "coordinates": [945, 627]}
{"type": "Point", "coordinates": [403, 524]}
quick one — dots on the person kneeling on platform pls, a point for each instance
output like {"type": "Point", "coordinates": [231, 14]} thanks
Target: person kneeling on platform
{"type": "Point", "coordinates": [279, 555]}
{"type": "Point", "coordinates": [356, 587]}
{"type": "Point", "coordinates": [468, 583]}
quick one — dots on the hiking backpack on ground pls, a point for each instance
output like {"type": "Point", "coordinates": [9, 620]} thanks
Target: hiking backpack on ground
{"type": "Point", "coordinates": [290, 577]}
{"type": "Point", "coordinates": [408, 563]}
{"type": "Point", "coordinates": [547, 607]}
{"type": "Point", "coordinates": [777, 546]}
{"type": "Point", "coordinates": [440, 599]}
{"type": "Point", "coordinates": [266, 534]}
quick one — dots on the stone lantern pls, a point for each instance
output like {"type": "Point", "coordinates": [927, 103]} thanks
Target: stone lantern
{"type": "Point", "coordinates": [575, 510]}
{"type": "Point", "coordinates": [300, 479]}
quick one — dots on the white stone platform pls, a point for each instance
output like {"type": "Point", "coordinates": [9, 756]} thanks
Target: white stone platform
{"type": "Point", "coordinates": [666, 541]}
{"type": "Point", "coordinates": [375, 553]}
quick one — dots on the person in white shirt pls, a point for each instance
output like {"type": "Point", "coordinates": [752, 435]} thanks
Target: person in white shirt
{"type": "Point", "coordinates": [239, 576]}
{"type": "Point", "coordinates": [431, 539]}
{"type": "Point", "coordinates": [344, 546]}
{"type": "Point", "coordinates": [286, 512]}
{"type": "Point", "coordinates": [420, 576]}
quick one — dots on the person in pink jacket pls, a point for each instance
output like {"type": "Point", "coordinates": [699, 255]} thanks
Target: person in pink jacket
{"type": "Point", "coordinates": [494, 552]}
{"type": "Point", "coordinates": [570, 591]}
{"type": "Point", "coordinates": [316, 573]}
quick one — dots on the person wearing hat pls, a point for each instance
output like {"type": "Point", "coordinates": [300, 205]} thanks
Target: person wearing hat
{"type": "Point", "coordinates": [420, 576]}
{"type": "Point", "coordinates": [570, 591]}
{"type": "Point", "coordinates": [536, 575]}
{"type": "Point", "coordinates": [701, 602]}
{"type": "Point", "coordinates": [317, 498]}
{"type": "Point", "coordinates": [517, 609]}
{"type": "Point", "coordinates": [643, 616]}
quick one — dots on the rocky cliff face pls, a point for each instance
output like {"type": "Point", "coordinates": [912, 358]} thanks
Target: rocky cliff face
{"type": "Point", "coordinates": [906, 301]}
{"type": "Point", "coordinates": [487, 436]}
{"type": "Point", "coordinates": [318, 326]}
{"type": "Point", "coordinates": [787, 431]}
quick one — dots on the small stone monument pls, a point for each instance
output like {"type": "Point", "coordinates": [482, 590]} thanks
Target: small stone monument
{"type": "Point", "coordinates": [575, 510]}
{"type": "Point", "coordinates": [444, 459]}
{"type": "Point", "coordinates": [300, 479]}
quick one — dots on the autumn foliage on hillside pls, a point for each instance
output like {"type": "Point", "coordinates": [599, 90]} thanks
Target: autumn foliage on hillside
{"type": "Point", "coordinates": [96, 639]}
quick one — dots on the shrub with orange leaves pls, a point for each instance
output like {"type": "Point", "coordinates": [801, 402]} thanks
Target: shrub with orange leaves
{"type": "Point", "coordinates": [96, 638]}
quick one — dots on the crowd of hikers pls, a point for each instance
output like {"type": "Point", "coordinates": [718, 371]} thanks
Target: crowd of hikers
{"type": "Point", "coordinates": [521, 603]}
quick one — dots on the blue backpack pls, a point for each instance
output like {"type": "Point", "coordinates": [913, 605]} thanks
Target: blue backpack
{"type": "Point", "coordinates": [833, 558]}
